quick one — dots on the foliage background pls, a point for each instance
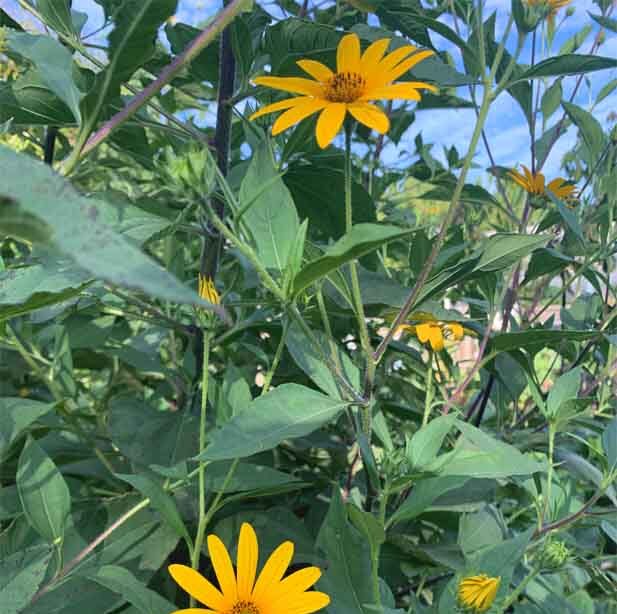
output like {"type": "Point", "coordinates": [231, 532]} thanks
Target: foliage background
{"type": "Point", "coordinates": [102, 333]}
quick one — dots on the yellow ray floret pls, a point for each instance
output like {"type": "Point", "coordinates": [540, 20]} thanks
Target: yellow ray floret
{"type": "Point", "coordinates": [552, 6]}
{"type": "Point", "coordinates": [207, 290]}
{"type": "Point", "coordinates": [360, 78]}
{"type": "Point", "coordinates": [241, 591]}
{"type": "Point", "coordinates": [477, 593]}
{"type": "Point", "coordinates": [435, 333]}
{"type": "Point", "coordinates": [535, 184]}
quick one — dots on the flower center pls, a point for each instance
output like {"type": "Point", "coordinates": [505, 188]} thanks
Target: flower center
{"type": "Point", "coordinates": [345, 87]}
{"type": "Point", "coordinates": [244, 607]}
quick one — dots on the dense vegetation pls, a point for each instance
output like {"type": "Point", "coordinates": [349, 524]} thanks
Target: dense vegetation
{"type": "Point", "coordinates": [226, 325]}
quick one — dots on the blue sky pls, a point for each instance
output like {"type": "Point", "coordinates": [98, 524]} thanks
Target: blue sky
{"type": "Point", "coordinates": [506, 128]}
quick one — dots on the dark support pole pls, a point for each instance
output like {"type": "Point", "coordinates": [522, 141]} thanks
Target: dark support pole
{"type": "Point", "coordinates": [222, 140]}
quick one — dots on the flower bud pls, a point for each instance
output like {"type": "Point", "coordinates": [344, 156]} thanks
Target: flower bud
{"type": "Point", "coordinates": [555, 554]}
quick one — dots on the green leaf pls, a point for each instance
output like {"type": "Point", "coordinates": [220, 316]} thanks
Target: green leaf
{"type": "Point", "coordinates": [575, 41]}
{"type": "Point", "coordinates": [246, 477]}
{"type": "Point", "coordinates": [57, 15]}
{"type": "Point", "coordinates": [503, 250]}
{"type": "Point", "coordinates": [28, 100]}
{"type": "Point", "coordinates": [564, 389]}
{"type": "Point", "coordinates": [311, 361]}
{"type": "Point", "coordinates": [54, 63]}
{"type": "Point", "coordinates": [361, 240]}
{"type": "Point", "coordinates": [348, 555]}
{"type": "Point", "coordinates": [21, 575]}
{"type": "Point", "coordinates": [480, 530]}
{"type": "Point", "coordinates": [605, 22]}
{"type": "Point", "coordinates": [590, 131]}
{"type": "Point", "coordinates": [16, 415]}
{"type": "Point", "coordinates": [43, 492]}
{"type": "Point", "coordinates": [569, 64]}
{"type": "Point", "coordinates": [551, 99]}
{"type": "Point", "coordinates": [151, 437]}
{"type": "Point", "coordinates": [546, 261]}
{"type": "Point", "coordinates": [121, 581]}
{"type": "Point", "coordinates": [368, 525]}
{"type": "Point", "coordinates": [479, 455]}
{"type": "Point", "coordinates": [160, 500]}
{"type": "Point", "coordinates": [286, 412]}
{"type": "Point", "coordinates": [72, 224]}
{"type": "Point", "coordinates": [534, 337]}
{"type": "Point", "coordinates": [271, 216]}
{"type": "Point", "coordinates": [424, 493]}
{"type": "Point", "coordinates": [426, 442]}
{"type": "Point", "coordinates": [29, 288]}
{"type": "Point", "coordinates": [132, 43]}
{"type": "Point", "coordinates": [319, 194]}
{"type": "Point", "coordinates": [609, 443]}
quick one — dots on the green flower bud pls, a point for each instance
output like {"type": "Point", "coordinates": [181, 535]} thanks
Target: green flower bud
{"type": "Point", "coordinates": [570, 11]}
{"type": "Point", "coordinates": [555, 554]}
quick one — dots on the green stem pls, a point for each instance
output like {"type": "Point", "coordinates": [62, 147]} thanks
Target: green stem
{"type": "Point", "coordinates": [428, 399]}
{"type": "Point", "coordinates": [201, 525]}
{"type": "Point", "coordinates": [552, 431]}
{"type": "Point", "coordinates": [365, 339]}
{"type": "Point", "coordinates": [441, 237]}
{"type": "Point", "coordinates": [277, 358]}
{"type": "Point", "coordinates": [518, 591]}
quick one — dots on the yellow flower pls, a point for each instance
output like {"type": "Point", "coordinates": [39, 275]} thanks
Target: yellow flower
{"type": "Point", "coordinates": [435, 333]}
{"type": "Point", "coordinates": [359, 78]}
{"type": "Point", "coordinates": [239, 592]}
{"type": "Point", "coordinates": [207, 290]}
{"type": "Point", "coordinates": [551, 6]}
{"type": "Point", "coordinates": [477, 593]}
{"type": "Point", "coordinates": [534, 184]}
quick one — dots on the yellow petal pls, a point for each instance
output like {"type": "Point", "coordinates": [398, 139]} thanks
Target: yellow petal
{"type": "Point", "coordinates": [308, 603]}
{"type": "Point", "coordinates": [295, 85]}
{"type": "Point", "coordinates": [436, 339]}
{"type": "Point", "coordinates": [373, 55]}
{"type": "Point", "coordinates": [394, 58]}
{"type": "Point", "coordinates": [298, 582]}
{"type": "Point", "coordinates": [273, 570]}
{"type": "Point", "coordinates": [539, 183]}
{"type": "Point", "coordinates": [405, 65]}
{"type": "Point", "coordinates": [222, 567]}
{"type": "Point", "coordinates": [248, 555]}
{"type": "Point", "coordinates": [370, 115]}
{"type": "Point", "coordinates": [297, 114]}
{"type": "Point", "coordinates": [397, 91]}
{"type": "Point", "coordinates": [330, 122]}
{"type": "Point", "coordinates": [518, 178]}
{"type": "Point", "coordinates": [279, 106]}
{"type": "Point", "coordinates": [348, 54]}
{"type": "Point", "coordinates": [197, 586]}
{"type": "Point", "coordinates": [317, 70]}
{"type": "Point", "coordinates": [455, 330]}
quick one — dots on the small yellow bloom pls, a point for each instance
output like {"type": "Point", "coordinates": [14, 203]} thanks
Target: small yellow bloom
{"type": "Point", "coordinates": [359, 79]}
{"type": "Point", "coordinates": [239, 592]}
{"type": "Point", "coordinates": [551, 6]}
{"type": "Point", "coordinates": [208, 291]}
{"type": "Point", "coordinates": [535, 184]}
{"type": "Point", "coordinates": [477, 593]}
{"type": "Point", "coordinates": [435, 332]}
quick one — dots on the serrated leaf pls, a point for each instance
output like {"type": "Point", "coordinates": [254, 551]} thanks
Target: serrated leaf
{"type": "Point", "coordinates": [21, 574]}
{"type": "Point", "coordinates": [121, 581]}
{"type": "Point", "coordinates": [286, 412]}
{"type": "Point", "coordinates": [160, 501]}
{"type": "Point", "coordinates": [564, 389]}
{"type": "Point", "coordinates": [569, 64]}
{"type": "Point", "coordinates": [16, 415]}
{"type": "Point", "coordinates": [43, 492]}
{"type": "Point", "coordinates": [54, 63]}
{"type": "Point", "coordinates": [503, 250]}
{"type": "Point", "coordinates": [73, 225]}
{"type": "Point", "coordinates": [361, 240]}
{"type": "Point", "coordinates": [426, 443]}
{"type": "Point", "coordinates": [271, 216]}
